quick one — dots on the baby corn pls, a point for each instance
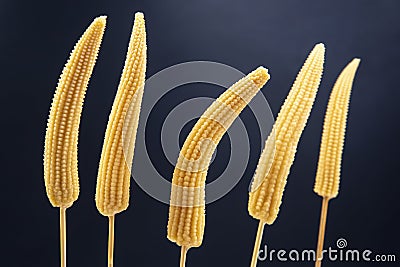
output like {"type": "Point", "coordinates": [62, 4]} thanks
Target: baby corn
{"type": "Point", "coordinates": [61, 143]}
{"type": "Point", "coordinates": [280, 148]}
{"type": "Point", "coordinates": [187, 205]}
{"type": "Point", "coordinates": [330, 157]}
{"type": "Point", "coordinates": [328, 173]}
{"type": "Point", "coordinates": [113, 181]}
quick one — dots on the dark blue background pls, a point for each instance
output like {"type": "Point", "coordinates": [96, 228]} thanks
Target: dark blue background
{"type": "Point", "coordinates": [35, 40]}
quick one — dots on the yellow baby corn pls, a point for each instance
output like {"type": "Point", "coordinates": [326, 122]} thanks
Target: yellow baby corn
{"type": "Point", "coordinates": [61, 143]}
{"type": "Point", "coordinates": [269, 183]}
{"type": "Point", "coordinates": [330, 157]}
{"type": "Point", "coordinates": [60, 153]}
{"type": "Point", "coordinates": [113, 181]}
{"type": "Point", "coordinates": [328, 173]}
{"type": "Point", "coordinates": [187, 205]}
{"type": "Point", "coordinates": [280, 148]}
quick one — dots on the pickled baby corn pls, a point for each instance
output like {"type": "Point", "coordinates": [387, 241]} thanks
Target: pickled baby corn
{"type": "Point", "coordinates": [61, 142]}
{"type": "Point", "coordinates": [113, 181]}
{"type": "Point", "coordinates": [278, 155]}
{"type": "Point", "coordinates": [187, 205]}
{"type": "Point", "coordinates": [328, 173]}
{"type": "Point", "coordinates": [330, 157]}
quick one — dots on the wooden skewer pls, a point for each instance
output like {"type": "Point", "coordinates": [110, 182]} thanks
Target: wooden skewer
{"type": "Point", "coordinates": [111, 227]}
{"type": "Point", "coordinates": [257, 244]}
{"type": "Point", "coordinates": [322, 227]}
{"type": "Point", "coordinates": [184, 251]}
{"type": "Point", "coordinates": [63, 237]}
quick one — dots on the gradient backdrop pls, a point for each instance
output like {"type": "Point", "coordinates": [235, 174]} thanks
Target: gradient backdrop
{"type": "Point", "coordinates": [36, 38]}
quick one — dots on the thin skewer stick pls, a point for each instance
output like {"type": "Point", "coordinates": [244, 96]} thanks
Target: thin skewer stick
{"type": "Point", "coordinates": [111, 227]}
{"type": "Point", "coordinates": [257, 244]}
{"type": "Point", "coordinates": [63, 237]}
{"type": "Point", "coordinates": [184, 251]}
{"type": "Point", "coordinates": [322, 227]}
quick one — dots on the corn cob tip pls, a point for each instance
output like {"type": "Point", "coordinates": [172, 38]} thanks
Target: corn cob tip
{"type": "Point", "coordinates": [355, 62]}
{"type": "Point", "coordinates": [320, 46]}
{"type": "Point", "coordinates": [351, 68]}
{"type": "Point", "coordinates": [139, 15]}
{"type": "Point", "coordinates": [318, 50]}
{"type": "Point", "coordinates": [100, 21]}
{"type": "Point", "coordinates": [259, 76]}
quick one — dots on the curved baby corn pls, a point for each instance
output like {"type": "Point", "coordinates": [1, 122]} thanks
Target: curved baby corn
{"type": "Point", "coordinates": [328, 174]}
{"type": "Point", "coordinates": [61, 143]}
{"type": "Point", "coordinates": [187, 209]}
